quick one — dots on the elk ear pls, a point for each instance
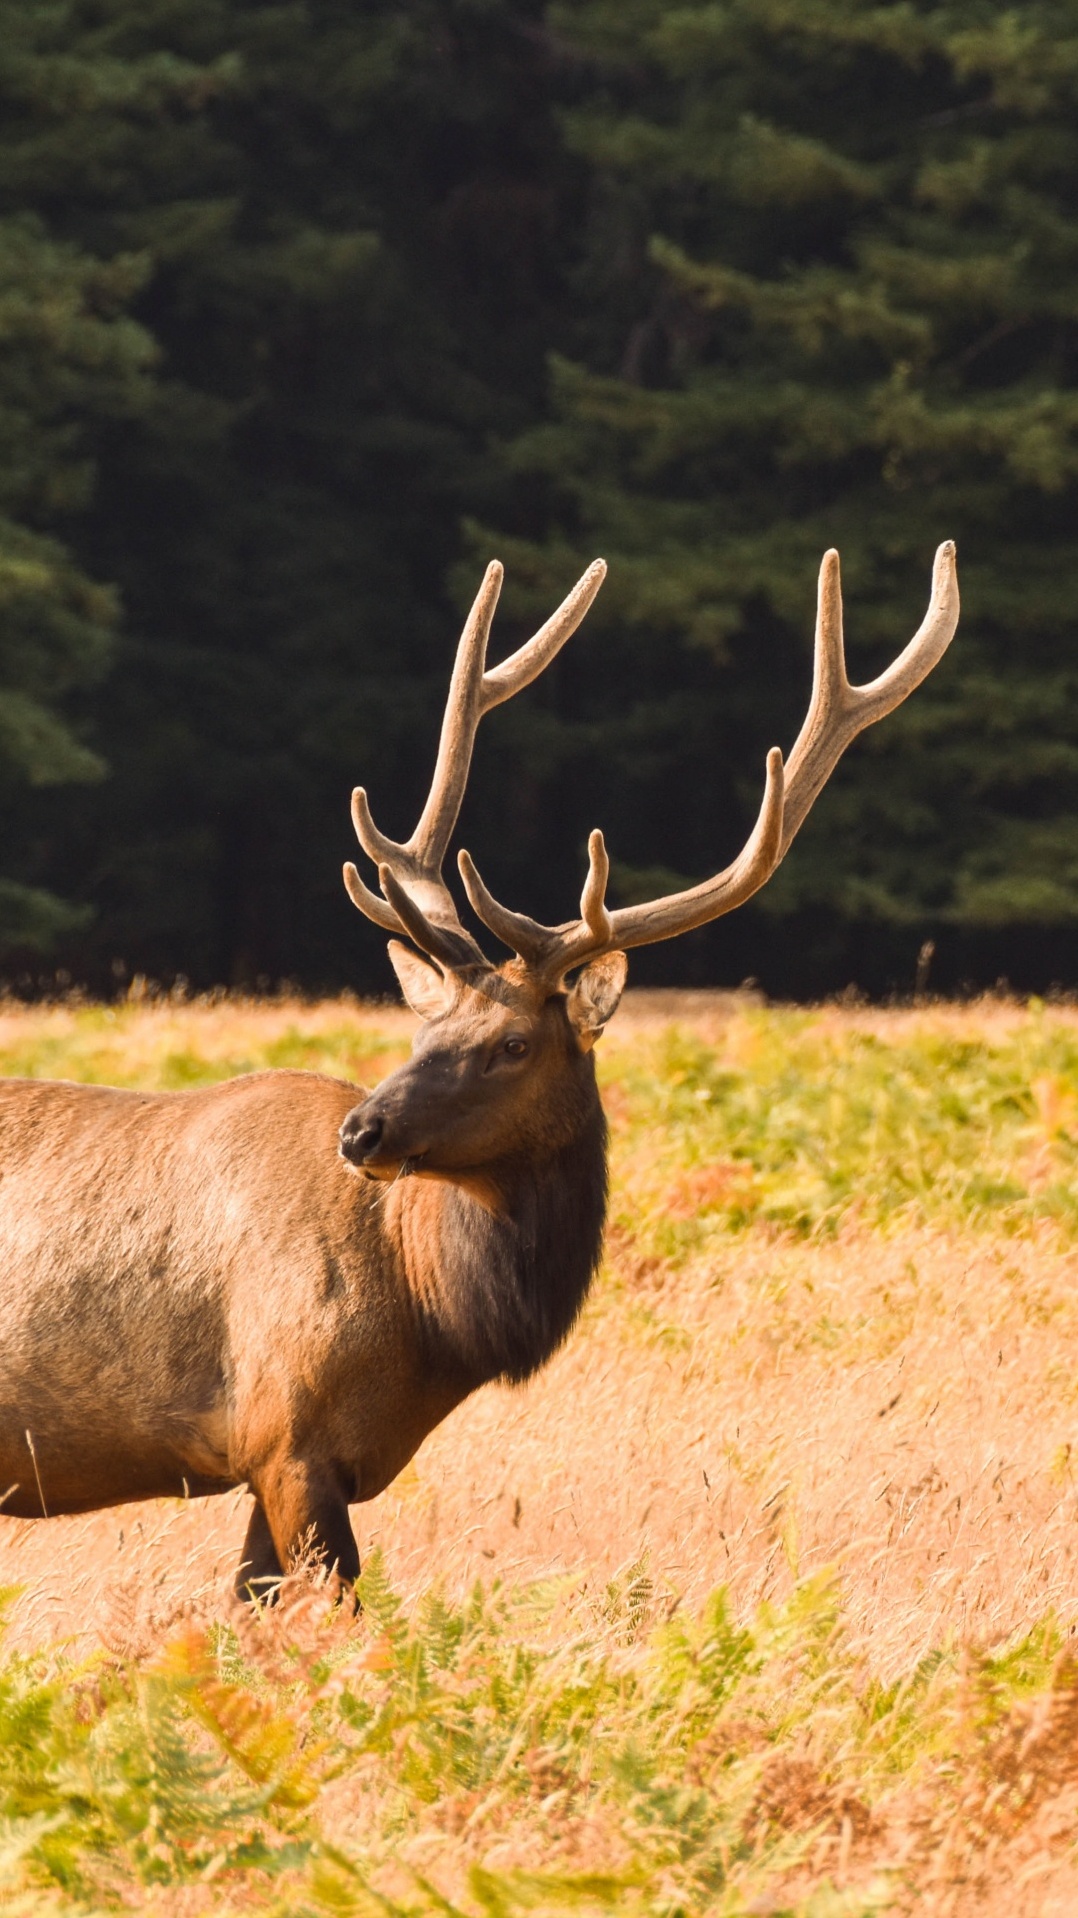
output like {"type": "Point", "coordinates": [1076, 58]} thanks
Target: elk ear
{"type": "Point", "coordinates": [594, 997]}
{"type": "Point", "coordinates": [425, 986]}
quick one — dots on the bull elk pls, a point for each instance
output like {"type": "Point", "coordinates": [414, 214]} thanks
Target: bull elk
{"type": "Point", "coordinates": [268, 1284]}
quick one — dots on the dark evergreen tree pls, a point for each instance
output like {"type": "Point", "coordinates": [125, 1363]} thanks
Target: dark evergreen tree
{"type": "Point", "coordinates": [281, 286]}
{"type": "Point", "coordinates": [348, 228]}
{"type": "Point", "coordinates": [828, 295]}
{"type": "Point", "coordinates": [69, 355]}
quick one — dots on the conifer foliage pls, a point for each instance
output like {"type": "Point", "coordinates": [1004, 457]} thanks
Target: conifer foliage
{"type": "Point", "coordinates": [71, 357]}
{"type": "Point", "coordinates": [340, 221]}
{"type": "Point", "coordinates": [306, 312]}
{"type": "Point", "coordinates": [836, 254]}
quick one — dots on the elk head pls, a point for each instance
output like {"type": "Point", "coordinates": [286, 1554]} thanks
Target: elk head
{"type": "Point", "coordinates": [501, 1066]}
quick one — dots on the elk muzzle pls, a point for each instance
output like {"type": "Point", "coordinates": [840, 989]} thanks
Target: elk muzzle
{"type": "Point", "coordinates": [444, 1110]}
{"type": "Point", "coordinates": [390, 1131]}
{"type": "Point", "coordinates": [368, 1141]}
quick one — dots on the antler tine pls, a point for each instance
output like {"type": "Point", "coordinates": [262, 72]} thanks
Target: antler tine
{"type": "Point", "coordinates": [450, 944]}
{"type": "Point", "coordinates": [515, 930]}
{"type": "Point", "coordinates": [555, 950]}
{"type": "Point", "coordinates": [368, 902]}
{"type": "Point", "coordinates": [698, 905]}
{"type": "Point", "coordinates": [473, 692]}
{"type": "Point", "coordinates": [417, 901]}
{"type": "Point", "coordinates": [594, 930]}
{"type": "Point", "coordinates": [374, 843]}
{"type": "Point", "coordinates": [546, 946]}
{"type": "Point", "coordinates": [529, 660]}
{"type": "Point", "coordinates": [418, 904]}
{"type": "Point", "coordinates": [463, 711]}
{"type": "Point", "coordinates": [838, 711]}
{"type": "Point", "coordinates": [593, 898]}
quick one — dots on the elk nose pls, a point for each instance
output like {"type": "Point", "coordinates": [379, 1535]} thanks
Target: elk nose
{"type": "Point", "coordinates": [360, 1136]}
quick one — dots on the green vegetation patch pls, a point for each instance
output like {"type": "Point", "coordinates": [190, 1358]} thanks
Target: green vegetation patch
{"type": "Point", "coordinates": [798, 1121]}
{"type": "Point", "coordinates": [303, 1762]}
{"type": "Point", "coordinates": [125, 1045]}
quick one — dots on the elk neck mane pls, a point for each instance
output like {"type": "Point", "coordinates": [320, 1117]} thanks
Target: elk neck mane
{"type": "Point", "coordinates": [497, 1288]}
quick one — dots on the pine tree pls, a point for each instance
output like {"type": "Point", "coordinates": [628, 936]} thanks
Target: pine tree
{"type": "Point", "coordinates": [70, 354]}
{"type": "Point", "coordinates": [347, 237]}
{"type": "Point", "coordinates": [281, 282]}
{"type": "Point", "coordinates": [828, 295]}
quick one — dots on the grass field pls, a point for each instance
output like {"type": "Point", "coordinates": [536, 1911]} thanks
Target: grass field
{"type": "Point", "coordinates": [761, 1599]}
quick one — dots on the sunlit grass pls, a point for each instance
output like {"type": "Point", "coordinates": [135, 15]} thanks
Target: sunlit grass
{"type": "Point", "coordinates": [761, 1599]}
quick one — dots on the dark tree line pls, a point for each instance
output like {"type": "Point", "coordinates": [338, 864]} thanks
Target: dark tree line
{"type": "Point", "coordinates": [306, 310]}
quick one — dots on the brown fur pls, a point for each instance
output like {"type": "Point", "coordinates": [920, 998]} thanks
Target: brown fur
{"type": "Point", "coordinates": [199, 1291]}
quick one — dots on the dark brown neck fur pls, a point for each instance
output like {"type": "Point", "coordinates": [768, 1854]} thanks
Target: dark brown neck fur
{"type": "Point", "coordinates": [499, 1274]}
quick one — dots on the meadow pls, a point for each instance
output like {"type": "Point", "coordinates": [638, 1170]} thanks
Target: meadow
{"type": "Point", "coordinates": [762, 1598]}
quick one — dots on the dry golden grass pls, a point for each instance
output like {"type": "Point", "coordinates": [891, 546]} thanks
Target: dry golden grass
{"type": "Point", "coordinates": [890, 1398]}
{"type": "Point", "coordinates": [927, 1446]}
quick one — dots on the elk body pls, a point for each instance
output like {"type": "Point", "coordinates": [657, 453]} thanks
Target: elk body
{"type": "Point", "coordinates": [283, 1284]}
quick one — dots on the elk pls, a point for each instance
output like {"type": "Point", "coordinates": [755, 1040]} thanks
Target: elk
{"type": "Point", "coordinates": [285, 1284]}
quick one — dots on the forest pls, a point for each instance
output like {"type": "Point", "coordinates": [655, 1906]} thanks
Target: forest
{"type": "Point", "coordinates": [308, 309]}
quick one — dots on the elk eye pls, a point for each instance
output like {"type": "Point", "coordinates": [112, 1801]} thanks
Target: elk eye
{"type": "Point", "coordinates": [516, 1048]}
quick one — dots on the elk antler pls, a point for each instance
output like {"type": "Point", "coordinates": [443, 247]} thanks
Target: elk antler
{"type": "Point", "coordinates": [837, 713]}
{"type": "Point", "coordinates": [417, 901]}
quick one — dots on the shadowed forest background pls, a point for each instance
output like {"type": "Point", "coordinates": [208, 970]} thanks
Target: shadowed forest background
{"type": "Point", "coordinates": [307, 310]}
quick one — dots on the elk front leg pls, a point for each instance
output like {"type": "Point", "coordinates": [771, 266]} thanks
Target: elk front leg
{"type": "Point", "coordinates": [260, 1568]}
{"type": "Point", "coordinates": [304, 1508]}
